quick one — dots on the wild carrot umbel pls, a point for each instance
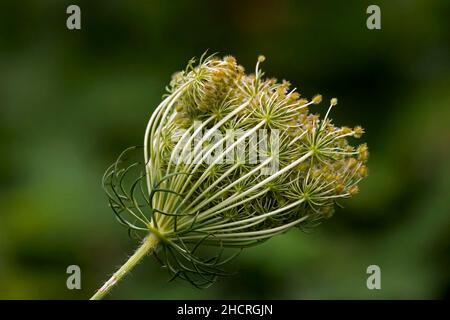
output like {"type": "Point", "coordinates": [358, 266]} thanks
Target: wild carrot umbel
{"type": "Point", "coordinates": [229, 161]}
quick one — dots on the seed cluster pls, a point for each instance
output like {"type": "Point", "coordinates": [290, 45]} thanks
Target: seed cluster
{"type": "Point", "coordinates": [233, 203]}
{"type": "Point", "coordinates": [332, 170]}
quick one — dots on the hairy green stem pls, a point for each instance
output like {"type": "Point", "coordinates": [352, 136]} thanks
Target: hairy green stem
{"type": "Point", "coordinates": [149, 244]}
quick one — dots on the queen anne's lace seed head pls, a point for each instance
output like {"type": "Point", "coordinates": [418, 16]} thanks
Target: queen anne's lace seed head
{"type": "Point", "coordinates": [190, 199]}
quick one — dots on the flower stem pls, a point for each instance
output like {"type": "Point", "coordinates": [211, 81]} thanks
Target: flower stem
{"type": "Point", "coordinates": [149, 244]}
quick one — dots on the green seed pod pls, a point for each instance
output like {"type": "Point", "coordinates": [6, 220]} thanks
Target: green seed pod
{"type": "Point", "coordinates": [230, 160]}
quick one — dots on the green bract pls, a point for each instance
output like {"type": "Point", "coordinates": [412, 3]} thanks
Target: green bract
{"type": "Point", "coordinates": [200, 184]}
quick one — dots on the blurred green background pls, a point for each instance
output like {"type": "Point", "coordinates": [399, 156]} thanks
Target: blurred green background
{"type": "Point", "coordinates": [71, 101]}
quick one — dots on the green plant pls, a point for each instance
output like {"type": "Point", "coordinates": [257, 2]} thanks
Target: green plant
{"type": "Point", "coordinates": [190, 195]}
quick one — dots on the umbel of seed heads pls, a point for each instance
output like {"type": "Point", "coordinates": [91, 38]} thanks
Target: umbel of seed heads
{"type": "Point", "coordinates": [187, 206]}
{"type": "Point", "coordinates": [318, 164]}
